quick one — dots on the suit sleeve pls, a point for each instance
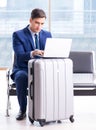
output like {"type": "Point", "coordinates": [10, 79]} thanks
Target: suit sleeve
{"type": "Point", "coordinates": [21, 54]}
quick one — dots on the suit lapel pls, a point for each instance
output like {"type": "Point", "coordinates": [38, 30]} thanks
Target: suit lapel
{"type": "Point", "coordinates": [29, 37]}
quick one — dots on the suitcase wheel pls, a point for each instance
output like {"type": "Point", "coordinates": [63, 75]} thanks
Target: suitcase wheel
{"type": "Point", "coordinates": [32, 121]}
{"type": "Point", "coordinates": [42, 123]}
{"type": "Point", "coordinates": [71, 118]}
{"type": "Point", "coordinates": [59, 121]}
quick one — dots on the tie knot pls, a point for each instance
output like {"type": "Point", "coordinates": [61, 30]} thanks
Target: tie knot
{"type": "Point", "coordinates": [36, 35]}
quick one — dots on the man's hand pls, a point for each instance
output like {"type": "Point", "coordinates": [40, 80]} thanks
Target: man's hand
{"type": "Point", "coordinates": [37, 52]}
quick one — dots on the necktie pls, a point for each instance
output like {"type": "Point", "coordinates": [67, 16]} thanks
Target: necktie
{"type": "Point", "coordinates": [36, 41]}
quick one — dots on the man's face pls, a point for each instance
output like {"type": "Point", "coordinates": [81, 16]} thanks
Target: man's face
{"type": "Point", "coordinates": [36, 24]}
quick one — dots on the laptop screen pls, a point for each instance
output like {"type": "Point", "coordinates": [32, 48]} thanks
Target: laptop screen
{"type": "Point", "coordinates": [57, 47]}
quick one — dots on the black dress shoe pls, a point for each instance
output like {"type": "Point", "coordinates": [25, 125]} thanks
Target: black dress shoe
{"type": "Point", "coordinates": [21, 115]}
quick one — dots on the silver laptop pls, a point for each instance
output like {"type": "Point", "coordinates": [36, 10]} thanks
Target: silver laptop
{"type": "Point", "coordinates": [57, 47]}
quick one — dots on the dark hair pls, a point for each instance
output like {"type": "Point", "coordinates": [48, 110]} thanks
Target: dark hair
{"type": "Point", "coordinates": [38, 13]}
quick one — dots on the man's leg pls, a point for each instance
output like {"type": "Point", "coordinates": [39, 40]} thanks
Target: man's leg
{"type": "Point", "coordinates": [21, 80]}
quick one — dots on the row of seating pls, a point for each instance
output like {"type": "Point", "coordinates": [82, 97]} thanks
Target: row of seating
{"type": "Point", "coordinates": [84, 76]}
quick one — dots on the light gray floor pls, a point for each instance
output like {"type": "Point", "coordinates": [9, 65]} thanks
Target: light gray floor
{"type": "Point", "coordinates": [84, 113]}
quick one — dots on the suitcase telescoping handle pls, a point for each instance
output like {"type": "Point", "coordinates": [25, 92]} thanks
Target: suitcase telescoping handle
{"type": "Point", "coordinates": [31, 90]}
{"type": "Point", "coordinates": [31, 87]}
{"type": "Point", "coordinates": [31, 83]}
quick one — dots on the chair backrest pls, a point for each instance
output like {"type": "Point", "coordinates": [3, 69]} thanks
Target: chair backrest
{"type": "Point", "coordinates": [83, 61]}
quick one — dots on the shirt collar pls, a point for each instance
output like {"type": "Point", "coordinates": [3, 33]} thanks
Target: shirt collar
{"type": "Point", "coordinates": [32, 33]}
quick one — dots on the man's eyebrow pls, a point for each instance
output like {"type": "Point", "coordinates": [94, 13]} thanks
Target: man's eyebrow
{"type": "Point", "coordinates": [38, 22]}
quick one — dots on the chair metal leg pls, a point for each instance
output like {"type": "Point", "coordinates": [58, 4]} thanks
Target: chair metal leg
{"type": "Point", "coordinates": [8, 96]}
{"type": "Point", "coordinates": [8, 104]}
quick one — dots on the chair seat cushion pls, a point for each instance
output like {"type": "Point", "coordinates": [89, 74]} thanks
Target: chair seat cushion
{"type": "Point", "coordinates": [83, 78]}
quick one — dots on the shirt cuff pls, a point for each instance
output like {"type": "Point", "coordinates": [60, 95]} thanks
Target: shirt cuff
{"type": "Point", "coordinates": [31, 54]}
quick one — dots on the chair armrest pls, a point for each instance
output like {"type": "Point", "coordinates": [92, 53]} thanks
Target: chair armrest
{"type": "Point", "coordinates": [8, 73]}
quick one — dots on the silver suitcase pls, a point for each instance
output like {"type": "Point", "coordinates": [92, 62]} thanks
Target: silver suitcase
{"type": "Point", "coordinates": [50, 90]}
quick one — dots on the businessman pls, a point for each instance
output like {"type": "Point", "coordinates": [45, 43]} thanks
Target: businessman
{"type": "Point", "coordinates": [27, 43]}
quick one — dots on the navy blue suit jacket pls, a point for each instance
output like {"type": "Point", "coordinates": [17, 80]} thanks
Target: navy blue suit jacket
{"type": "Point", "coordinates": [23, 44]}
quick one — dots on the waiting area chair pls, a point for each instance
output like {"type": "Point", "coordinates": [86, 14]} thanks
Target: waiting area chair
{"type": "Point", "coordinates": [11, 87]}
{"type": "Point", "coordinates": [84, 74]}
{"type": "Point", "coordinates": [11, 90]}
